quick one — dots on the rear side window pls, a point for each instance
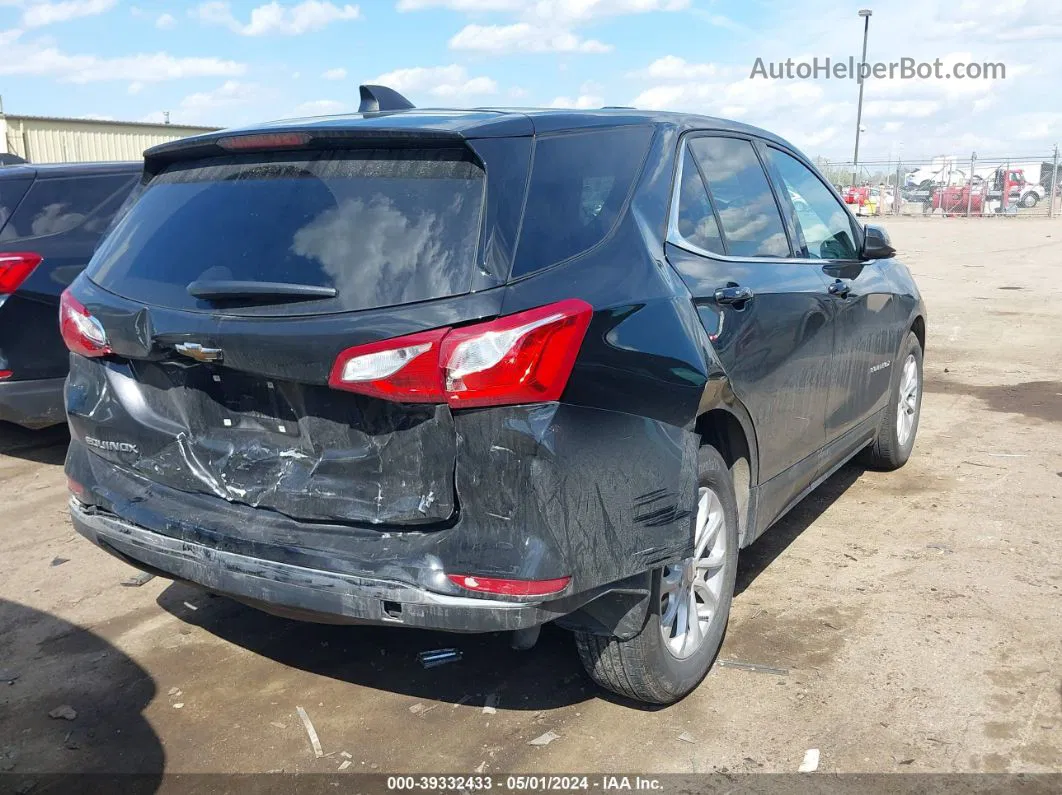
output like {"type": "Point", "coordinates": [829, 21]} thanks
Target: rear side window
{"type": "Point", "coordinates": [743, 198]}
{"type": "Point", "coordinates": [381, 226]}
{"type": "Point", "coordinates": [697, 223]}
{"type": "Point", "coordinates": [11, 193]}
{"type": "Point", "coordinates": [55, 206]}
{"type": "Point", "coordinates": [579, 185]}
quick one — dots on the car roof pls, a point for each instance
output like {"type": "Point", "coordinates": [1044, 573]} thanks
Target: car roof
{"type": "Point", "coordinates": [56, 170]}
{"type": "Point", "coordinates": [478, 123]}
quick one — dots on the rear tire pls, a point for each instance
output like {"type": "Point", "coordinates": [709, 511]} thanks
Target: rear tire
{"type": "Point", "coordinates": [899, 427]}
{"type": "Point", "coordinates": [1029, 200]}
{"type": "Point", "coordinates": [666, 662]}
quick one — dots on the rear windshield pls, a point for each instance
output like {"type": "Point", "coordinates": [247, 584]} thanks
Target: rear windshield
{"type": "Point", "coordinates": [381, 226]}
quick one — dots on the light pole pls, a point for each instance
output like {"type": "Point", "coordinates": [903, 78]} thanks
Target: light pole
{"type": "Point", "coordinates": [865, 13]}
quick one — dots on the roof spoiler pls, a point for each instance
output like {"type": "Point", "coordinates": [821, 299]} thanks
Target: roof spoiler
{"type": "Point", "coordinates": [381, 98]}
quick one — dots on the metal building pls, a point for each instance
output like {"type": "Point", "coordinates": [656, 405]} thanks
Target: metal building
{"type": "Point", "coordinates": [43, 139]}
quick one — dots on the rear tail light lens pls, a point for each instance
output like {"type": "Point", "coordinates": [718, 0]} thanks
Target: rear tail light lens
{"type": "Point", "coordinates": [15, 268]}
{"type": "Point", "coordinates": [506, 587]}
{"type": "Point", "coordinates": [5, 374]}
{"type": "Point", "coordinates": [81, 332]}
{"type": "Point", "coordinates": [521, 358]}
{"type": "Point", "coordinates": [405, 369]}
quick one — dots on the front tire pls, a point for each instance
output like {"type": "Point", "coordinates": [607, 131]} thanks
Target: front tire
{"type": "Point", "coordinates": [1029, 200]}
{"type": "Point", "coordinates": [896, 435]}
{"type": "Point", "coordinates": [690, 605]}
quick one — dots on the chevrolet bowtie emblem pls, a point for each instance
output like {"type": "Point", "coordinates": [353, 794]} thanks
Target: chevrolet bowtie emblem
{"type": "Point", "coordinates": [194, 350]}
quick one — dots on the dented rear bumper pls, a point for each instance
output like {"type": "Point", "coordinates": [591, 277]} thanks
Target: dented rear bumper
{"type": "Point", "coordinates": [542, 492]}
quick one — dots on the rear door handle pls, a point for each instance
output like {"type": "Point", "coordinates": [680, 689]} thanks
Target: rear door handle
{"type": "Point", "coordinates": [733, 294]}
{"type": "Point", "coordinates": [840, 289]}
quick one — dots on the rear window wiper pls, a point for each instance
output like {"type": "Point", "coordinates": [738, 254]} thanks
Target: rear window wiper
{"type": "Point", "coordinates": [257, 291]}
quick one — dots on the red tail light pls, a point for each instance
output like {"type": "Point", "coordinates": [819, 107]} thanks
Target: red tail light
{"type": "Point", "coordinates": [509, 587]}
{"type": "Point", "coordinates": [405, 369]}
{"type": "Point", "coordinates": [521, 358]}
{"type": "Point", "coordinates": [81, 332]}
{"type": "Point", "coordinates": [15, 268]}
{"type": "Point", "coordinates": [6, 374]}
{"type": "Point", "coordinates": [243, 143]}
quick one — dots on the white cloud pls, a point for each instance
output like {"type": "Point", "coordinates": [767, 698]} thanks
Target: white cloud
{"type": "Point", "coordinates": [472, 6]}
{"type": "Point", "coordinates": [322, 107]}
{"type": "Point", "coordinates": [39, 14]}
{"type": "Point", "coordinates": [671, 67]}
{"type": "Point", "coordinates": [42, 60]}
{"type": "Point", "coordinates": [275, 18]}
{"type": "Point", "coordinates": [581, 102]}
{"type": "Point", "coordinates": [335, 74]}
{"type": "Point", "coordinates": [555, 11]}
{"type": "Point", "coordinates": [231, 92]}
{"type": "Point", "coordinates": [165, 22]}
{"type": "Point", "coordinates": [522, 37]}
{"type": "Point", "coordinates": [445, 82]}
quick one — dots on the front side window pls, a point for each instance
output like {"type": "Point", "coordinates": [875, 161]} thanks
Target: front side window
{"type": "Point", "coordinates": [743, 198]}
{"type": "Point", "coordinates": [826, 227]}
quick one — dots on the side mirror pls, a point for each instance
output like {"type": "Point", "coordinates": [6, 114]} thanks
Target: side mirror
{"type": "Point", "coordinates": [876, 243]}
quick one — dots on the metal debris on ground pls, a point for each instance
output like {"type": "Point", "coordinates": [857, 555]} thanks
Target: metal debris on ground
{"type": "Point", "coordinates": [545, 739]}
{"type": "Point", "coordinates": [138, 579]}
{"type": "Point", "coordinates": [277, 724]}
{"type": "Point", "coordinates": [174, 691]}
{"type": "Point", "coordinates": [179, 705]}
{"type": "Point", "coordinates": [811, 761]}
{"type": "Point", "coordinates": [190, 606]}
{"type": "Point", "coordinates": [59, 561]}
{"type": "Point", "coordinates": [9, 676]}
{"type": "Point", "coordinates": [437, 657]}
{"type": "Point", "coordinates": [490, 704]}
{"type": "Point", "coordinates": [346, 754]}
{"type": "Point", "coordinates": [686, 737]}
{"type": "Point", "coordinates": [421, 709]}
{"type": "Point", "coordinates": [63, 712]}
{"type": "Point", "coordinates": [311, 731]}
{"type": "Point", "coordinates": [754, 667]}
{"type": "Point", "coordinates": [344, 765]}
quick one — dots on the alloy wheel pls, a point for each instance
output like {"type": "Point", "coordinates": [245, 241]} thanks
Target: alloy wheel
{"type": "Point", "coordinates": [690, 591]}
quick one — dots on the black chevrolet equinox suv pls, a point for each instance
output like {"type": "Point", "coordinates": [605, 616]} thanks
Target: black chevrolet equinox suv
{"type": "Point", "coordinates": [51, 219]}
{"type": "Point", "coordinates": [479, 370]}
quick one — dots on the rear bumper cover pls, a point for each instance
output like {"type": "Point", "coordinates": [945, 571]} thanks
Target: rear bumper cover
{"type": "Point", "coordinates": [544, 491]}
{"type": "Point", "coordinates": [32, 404]}
{"type": "Point", "coordinates": [309, 592]}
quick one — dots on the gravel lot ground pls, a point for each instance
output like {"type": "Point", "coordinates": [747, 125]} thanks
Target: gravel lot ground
{"type": "Point", "coordinates": [918, 613]}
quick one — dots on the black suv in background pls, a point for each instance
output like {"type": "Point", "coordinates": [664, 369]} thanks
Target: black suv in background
{"type": "Point", "coordinates": [482, 370]}
{"type": "Point", "coordinates": [51, 219]}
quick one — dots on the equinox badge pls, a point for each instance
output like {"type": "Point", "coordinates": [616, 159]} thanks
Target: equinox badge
{"type": "Point", "coordinates": [196, 351]}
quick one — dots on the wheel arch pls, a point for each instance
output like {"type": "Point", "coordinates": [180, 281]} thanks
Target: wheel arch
{"type": "Point", "coordinates": [918, 326]}
{"type": "Point", "coordinates": [728, 428]}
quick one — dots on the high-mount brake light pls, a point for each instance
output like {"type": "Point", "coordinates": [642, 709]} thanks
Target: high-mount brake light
{"type": "Point", "coordinates": [15, 268]}
{"type": "Point", "coordinates": [81, 332]}
{"type": "Point", "coordinates": [246, 143]}
{"type": "Point", "coordinates": [522, 358]}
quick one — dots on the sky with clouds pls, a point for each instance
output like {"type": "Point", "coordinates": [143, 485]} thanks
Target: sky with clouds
{"type": "Point", "coordinates": [227, 63]}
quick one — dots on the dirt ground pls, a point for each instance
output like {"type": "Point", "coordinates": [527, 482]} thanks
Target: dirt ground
{"type": "Point", "coordinates": [918, 614]}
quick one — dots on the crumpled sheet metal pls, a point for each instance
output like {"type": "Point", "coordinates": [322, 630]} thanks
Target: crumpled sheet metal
{"type": "Point", "coordinates": [337, 458]}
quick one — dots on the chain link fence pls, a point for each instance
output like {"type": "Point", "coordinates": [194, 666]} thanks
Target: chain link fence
{"type": "Point", "coordinates": [952, 185]}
